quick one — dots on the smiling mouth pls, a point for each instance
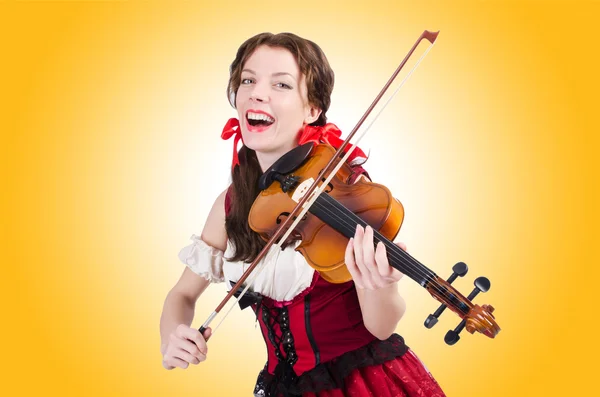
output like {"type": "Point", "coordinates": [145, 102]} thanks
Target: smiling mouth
{"type": "Point", "coordinates": [259, 119]}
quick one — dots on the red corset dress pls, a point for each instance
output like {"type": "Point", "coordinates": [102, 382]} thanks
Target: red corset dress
{"type": "Point", "coordinates": [318, 346]}
{"type": "Point", "coordinates": [316, 340]}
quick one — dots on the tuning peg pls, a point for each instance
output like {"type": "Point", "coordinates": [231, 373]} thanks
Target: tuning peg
{"type": "Point", "coordinates": [482, 284]}
{"type": "Point", "coordinates": [452, 336]}
{"type": "Point", "coordinates": [460, 269]}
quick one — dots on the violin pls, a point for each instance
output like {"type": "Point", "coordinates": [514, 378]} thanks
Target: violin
{"type": "Point", "coordinates": [333, 218]}
{"type": "Point", "coordinates": [305, 193]}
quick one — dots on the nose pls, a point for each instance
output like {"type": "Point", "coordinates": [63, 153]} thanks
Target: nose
{"type": "Point", "coordinates": [259, 93]}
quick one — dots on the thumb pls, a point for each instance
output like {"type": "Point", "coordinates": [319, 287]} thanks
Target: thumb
{"type": "Point", "coordinates": [207, 333]}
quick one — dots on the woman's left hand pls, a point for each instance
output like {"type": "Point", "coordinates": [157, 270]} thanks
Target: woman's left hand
{"type": "Point", "coordinates": [369, 267]}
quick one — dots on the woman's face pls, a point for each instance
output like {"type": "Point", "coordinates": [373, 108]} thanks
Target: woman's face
{"type": "Point", "coordinates": [272, 102]}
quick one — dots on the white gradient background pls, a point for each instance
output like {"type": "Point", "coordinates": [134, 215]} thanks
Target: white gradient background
{"type": "Point", "coordinates": [111, 154]}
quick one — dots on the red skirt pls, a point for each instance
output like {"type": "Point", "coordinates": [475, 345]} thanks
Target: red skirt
{"type": "Point", "coordinates": [402, 376]}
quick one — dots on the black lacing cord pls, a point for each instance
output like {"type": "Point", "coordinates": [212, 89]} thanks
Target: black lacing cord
{"type": "Point", "coordinates": [272, 316]}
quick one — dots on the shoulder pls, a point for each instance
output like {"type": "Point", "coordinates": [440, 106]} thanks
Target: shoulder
{"type": "Point", "coordinates": [219, 206]}
{"type": "Point", "coordinates": [223, 200]}
{"type": "Point", "coordinates": [227, 198]}
{"type": "Point", "coordinates": [214, 232]}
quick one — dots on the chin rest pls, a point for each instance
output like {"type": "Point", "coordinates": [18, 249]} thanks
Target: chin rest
{"type": "Point", "coordinates": [283, 166]}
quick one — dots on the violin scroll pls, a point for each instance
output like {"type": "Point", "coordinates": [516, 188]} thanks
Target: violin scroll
{"type": "Point", "coordinates": [474, 317]}
{"type": "Point", "coordinates": [481, 320]}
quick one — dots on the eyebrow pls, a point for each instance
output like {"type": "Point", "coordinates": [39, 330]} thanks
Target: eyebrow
{"type": "Point", "coordinates": [274, 74]}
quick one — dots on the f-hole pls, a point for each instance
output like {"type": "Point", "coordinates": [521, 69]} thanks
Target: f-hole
{"type": "Point", "coordinates": [329, 185]}
{"type": "Point", "coordinates": [283, 215]}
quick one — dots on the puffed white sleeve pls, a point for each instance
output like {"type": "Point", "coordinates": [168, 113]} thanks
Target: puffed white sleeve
{"type": "Point", "coordinates": [203, 259]}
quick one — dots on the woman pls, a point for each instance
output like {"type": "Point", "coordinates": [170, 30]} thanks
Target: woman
{"type": "Point", "coordinates": [322, 339]}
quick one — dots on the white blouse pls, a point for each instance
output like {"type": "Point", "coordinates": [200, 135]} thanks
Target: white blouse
{"type": "Point", "coordinates": [285, 274]}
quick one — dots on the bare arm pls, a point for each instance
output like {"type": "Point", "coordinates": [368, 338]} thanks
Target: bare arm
{"type": "Point", "coordinates": [179, 306]}
{"type": "Point", "coordinates": [382, 309]}
{"type": "Point", "coordinates": [181, 300]}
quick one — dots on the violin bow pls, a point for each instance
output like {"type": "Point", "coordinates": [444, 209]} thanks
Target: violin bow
{"type": "Point", "coordinates": [310, 195]}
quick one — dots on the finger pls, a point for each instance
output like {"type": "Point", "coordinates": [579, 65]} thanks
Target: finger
{"type": "Point", "coordinates": [194, 336]}
{"type": "Point", "coordinates": [383, 265]}
{"type": "Point", "coordinates": [179, 343]}
{"type": "Point", "coordinates": [187, 357]}
{"type": "Point", "coordinates": [190, 347]}
{"type": "Point", "coordinates": [351, 265]}
{"type": "Point", "coordinates": [402, 245]}
{"type": "Point", "coordinates": [369, 258]}
{"type": "Point", "coordinates": [359, 257]}
{"type": "Point", "coordinates": [167, 365]}
{"type": "Point", "coordinates": [386, 270]}
{"type": "Point", "coordinates": [191, 341]}
{"type": "Point", "coordinates": [175, 362]}
{"type": "Point", "coordinates": [185, 350]}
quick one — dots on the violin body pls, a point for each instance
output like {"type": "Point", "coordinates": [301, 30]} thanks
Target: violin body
{"type": "Point", "coordinates": [322, 245]}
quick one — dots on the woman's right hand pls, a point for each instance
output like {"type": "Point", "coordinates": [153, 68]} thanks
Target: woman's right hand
{"type": "Point", "coordinates": [185, 346]}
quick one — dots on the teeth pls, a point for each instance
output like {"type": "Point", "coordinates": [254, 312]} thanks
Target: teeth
{"type": "Point", "coordinates": [260, 116]}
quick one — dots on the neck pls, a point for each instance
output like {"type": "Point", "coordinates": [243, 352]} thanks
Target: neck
{"type": "Point", "coordinates": [267, 159]}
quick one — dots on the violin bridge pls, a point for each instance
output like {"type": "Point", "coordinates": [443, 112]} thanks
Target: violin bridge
{"type": "Point", "coordinates": [301, 190]}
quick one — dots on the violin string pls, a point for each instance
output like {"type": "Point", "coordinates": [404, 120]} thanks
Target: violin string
{"type": "Point", "coordinates": [415, 267]}
{"type": "Point", "coordinates": [392, 249]}
{"type": "Point", "coordinates": [349, 228]}
{"type": "Point", "coordinates": [347, 215]}
{"type": "Point", "coordinates": [391, 253]}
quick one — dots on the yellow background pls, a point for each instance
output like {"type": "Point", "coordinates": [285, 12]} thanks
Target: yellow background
{"type": "Point", "coordinates": [111, 158]}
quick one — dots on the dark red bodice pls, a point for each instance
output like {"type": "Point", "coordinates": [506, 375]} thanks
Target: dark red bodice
{"type": "Point", "coordinates": [318, 325]}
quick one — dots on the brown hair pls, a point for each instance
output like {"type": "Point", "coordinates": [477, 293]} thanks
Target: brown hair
{"type": "Point", "coordinates": [244, 188]}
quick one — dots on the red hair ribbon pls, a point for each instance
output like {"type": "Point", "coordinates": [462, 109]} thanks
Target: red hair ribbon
{"type": "Point", "coordinates": [329, 134]}
{"type": "Point", "coordinates": [233, 128]}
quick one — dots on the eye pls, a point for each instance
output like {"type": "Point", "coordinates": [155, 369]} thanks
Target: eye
{"type": "Point", "coordinates": [246, 81]}
{"type": "Point", "coordinates": [283, 85]}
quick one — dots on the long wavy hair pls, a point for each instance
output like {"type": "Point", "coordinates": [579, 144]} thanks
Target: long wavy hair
{"type": "Point", "coordinates": [243, 191]}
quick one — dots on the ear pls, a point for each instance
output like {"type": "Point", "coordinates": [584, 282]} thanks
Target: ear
{"type": "Point", "coordinates": [312, 114]}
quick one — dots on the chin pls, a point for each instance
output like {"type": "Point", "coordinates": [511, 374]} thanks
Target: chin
{"type": "Point", "coordinates": [259, 142]}
{"type": "Point", "coordinates": [254, 145]}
